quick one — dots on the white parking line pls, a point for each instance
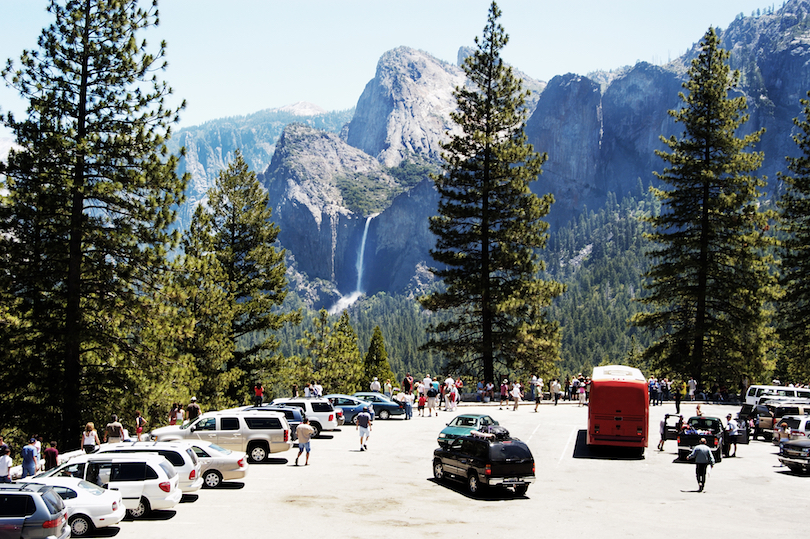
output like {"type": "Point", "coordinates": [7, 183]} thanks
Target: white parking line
{"type": "Point", "coordinates": [567, 443]}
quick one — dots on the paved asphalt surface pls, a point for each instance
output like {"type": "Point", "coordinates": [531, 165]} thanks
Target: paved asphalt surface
{"type": "Point", "coordinates": [389, 491]}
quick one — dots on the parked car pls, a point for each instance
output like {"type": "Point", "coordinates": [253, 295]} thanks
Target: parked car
{"type": "Point", "coordinates": [697, 427]}
{"type": "Point", "coordinates": [481, 460]}
{"type": "Point", "coordinates": [293, 414]}
{"type": "Point", "coordinates": [218, 464]}
{"type": "Point", "coordinates": [178, 453]}
{"type": "Point", "coordinates": [462, 425]}
{"type": "Point", "coordinates": [384, 407]}
{"type": "Point", "coordinates": [89, 506]}
{"type": "Point", "coordinates": [351, 406]}
{"type": "Point", "coordinates": [795, 454]}
{"type": "Point", "coordinates": [319, 411]}
{"type": "Point", "coordinates": [760, 414]}
{"type": "Point", "coordinates": [257, 433]}
{"type": "Point", "coordinates": [29, 510]}
{"type": "Point", "coordinates": [146, 481]}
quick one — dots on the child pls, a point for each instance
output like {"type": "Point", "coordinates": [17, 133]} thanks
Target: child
{"type": "Point", "coordinates": [421, 407]}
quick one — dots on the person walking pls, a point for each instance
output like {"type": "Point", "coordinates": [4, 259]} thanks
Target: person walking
{"type": "Point", "coordinates": [408, 400]}
{"type": "Point", "coordinates": [30, 462]}
{"type": "Point", "coordinates": [51, 456]}
{"type": "Point", "coordinates": [703, 457]}
{"type": "Point", "coordinates": [304, 431]}
{"type": "Point", "coordinates": [89, 438]}
{"type": "Point", "coordinates": [388, 389]}
{"type": "Point", "coordinates": [363, 420]}
{"type": "Point", "coordinates": [730, 437]}
{"type": "Point", "coordinates": [140, 423]}
{"type": "Point", "coordinates": [516, 395]}
{"type": "Point", "coordinates": [538, 394]}
{"type": "Point", "coordinates": [556, 390]}
{"type": "Point", "coordinates": [193, 409]}
{"type": "Point", "coordinates": [504, 393]}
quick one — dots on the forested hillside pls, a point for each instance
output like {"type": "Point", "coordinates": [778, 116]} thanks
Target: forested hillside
{"type": "Point", "coordinates": [599, 257]}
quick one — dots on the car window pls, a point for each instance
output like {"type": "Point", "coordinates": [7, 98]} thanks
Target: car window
{"type": "Point", "coordinates": [296, 404]}
{"type": "Point", "coordinates": [16, 505]}
{"type": "Point", "coordinates": [173, 456]}
{"type": "Point", "coordinates": [194, 423]}
{"type": "Point", "coordinates": [65, 493]}
{"type": "Point", "coordinates": [321, 407]}
{"type": "Point", "coordinates": [486, 421]}
{"type": "Point", "coordinates": [166, 467]}
{"type": "Point", "coordinates": [222, 450]}
{"type": "Point", "coordinates": [792, 422]}
{"type": "Point", "coordinates": [255, 423]}
{"type": "Point", "coordinates": [509, 451]}
{"type": "Point", "coordinates": [209, 423]}
{"type": "Point", "coordinates": [229, 423]}
{"type": "Point", "coordinates": [72, 470]}
{"type": "Point", "coordinates": [128, 471]}
{"type": "Point", "coordinates": [52, 501]}
{"type": "Point", "coordinates": [200, 452]}
{"type": "Point", "coordinates": [91, 488]}
{"type": "Point", "coordinates": [149, 473]}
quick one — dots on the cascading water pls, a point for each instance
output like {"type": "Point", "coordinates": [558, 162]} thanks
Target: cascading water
{"type": "Point", "coordinates": [345, 301]}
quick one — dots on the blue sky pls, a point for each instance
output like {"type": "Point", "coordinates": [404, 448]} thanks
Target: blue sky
{"type": "Point", "coordinates": [259, 54]}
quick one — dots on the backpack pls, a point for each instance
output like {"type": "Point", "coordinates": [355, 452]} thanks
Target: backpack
{"type": "Point", "coordinates": [431, 392]}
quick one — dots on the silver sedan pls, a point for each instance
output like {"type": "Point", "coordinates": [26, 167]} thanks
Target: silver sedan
{"type": "Point", "coordinates": [219, 464]}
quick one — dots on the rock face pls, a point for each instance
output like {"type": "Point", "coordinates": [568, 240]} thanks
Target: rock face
{"type": "Point", "coordinates": [405, 109]}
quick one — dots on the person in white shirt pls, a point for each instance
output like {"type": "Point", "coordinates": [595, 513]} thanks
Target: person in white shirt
{"type": "Point", "coordinates": [5, 465]}
{"type": "Point", "coordinates": [730, 438]}
{"type": "Point", "coordinates": [375, 385]}
{"type": "Point", "coordinates": [516, 395]}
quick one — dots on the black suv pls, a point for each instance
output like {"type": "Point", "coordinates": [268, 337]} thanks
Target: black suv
{"type": "Point", "coordinates": [484, 460]}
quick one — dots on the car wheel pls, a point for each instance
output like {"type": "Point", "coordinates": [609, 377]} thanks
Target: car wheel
{"type": "Point", "coordinates": [212, 479]}
{"type": "Point", "coordinates": [80, 525]}
{"type": "Point", "coordinates": [385, 414]}
{"type": "Point", "coordinates": [520, 490]}
{"type": "Point", "coordinates": [438, 470]}
{"type": "Point", "coordinates": [140, 510]}
{"type": "Point", "coordinates": [258, 453]}
{"type": "Point", "coordinates": [317, 427]}
{"type": "Point", "coordinates": [473, 484]}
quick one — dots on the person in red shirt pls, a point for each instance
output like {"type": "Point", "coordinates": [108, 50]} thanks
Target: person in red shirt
{"type": "Point", "coordinates": [51, 456]}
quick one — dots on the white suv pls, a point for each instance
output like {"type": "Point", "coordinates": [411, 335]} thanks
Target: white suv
{"type": "Point", "coordinates": [319, 411]}
{"type": "Point", "coordinates": [146, 481]}
{"type": "Point", "coordinates": [180, 454]}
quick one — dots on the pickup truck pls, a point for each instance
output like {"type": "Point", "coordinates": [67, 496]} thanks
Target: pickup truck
{"type": "Point", "coordinates": [698, 427]}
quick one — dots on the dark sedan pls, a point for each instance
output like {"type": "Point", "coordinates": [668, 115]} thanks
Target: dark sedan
{"type": "Point", "coordinates": [383, 406]}
{"type": "Point", "coordinates": [351, 406]}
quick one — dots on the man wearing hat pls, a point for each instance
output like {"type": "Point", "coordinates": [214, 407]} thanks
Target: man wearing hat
{"type": "Point", "coordinates": [732, 430]}
{"type": "Point", "coordinates": [193, 409]}
{"type": "Point", "coordinates": [375, 385]}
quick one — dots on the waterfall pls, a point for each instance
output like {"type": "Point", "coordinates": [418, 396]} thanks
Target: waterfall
{"type": "Point", "coordinates": [361, 255]}
{"type": "Point", "coordinates": [345, 301]}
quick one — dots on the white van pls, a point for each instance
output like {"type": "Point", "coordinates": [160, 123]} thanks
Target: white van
{"type": "Point", "coordinates": [758, 394]}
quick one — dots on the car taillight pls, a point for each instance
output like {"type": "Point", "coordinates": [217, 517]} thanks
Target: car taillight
{"type": "Point", "coordinates": [55, 523]}
{"type": "Point", "coordinates": [241, 462]}
{"type": "Point", "coordinates": [488, 470]}
{"type": "Point", "coordinates": [192, 475]}
{"type": "Point", "coordinates": [165, 486]}
{"type": "Point", "coordinates": [716, 441]}
{"type": "Point", "coordinates": [286, 435]}
{"type": "Point", "coordinates": [115, 507]}
{"type": "Point", "coordinates": [331, 417]}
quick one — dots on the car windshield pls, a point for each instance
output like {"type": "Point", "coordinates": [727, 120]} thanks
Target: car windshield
{"type": "Point", "coordinates": [705, 423]}
{"type": "Point", "coordinates": [190, 424]}
{"type": "Point", "coordinates": [463, 422]}
{"type": "Point", "coordinates": [169, 469]}
{"type": "Point", "coordinates": [52, 500]}
{"type": "Point", "coordinates": [95, 490]}
{"type": "Point", "coordinates": [219, 449]}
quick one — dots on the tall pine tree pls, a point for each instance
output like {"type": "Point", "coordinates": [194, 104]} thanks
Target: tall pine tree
{"type": "Point", "coordinates": [248, 270]}
{"type": "Point", "coordinates": [794, 308]}
{"type": "Point", "coordinates": [710, 281]}
{"type": "Point", "coordinates": [375, 364]}
{"type": "Point", "coordinates": [490, 227]}
{"type": "Point", "coordinates": [87, 223]}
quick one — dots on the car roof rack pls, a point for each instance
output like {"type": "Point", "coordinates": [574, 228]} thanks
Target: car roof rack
{"type": "Point", "coordinates": [479, 434]}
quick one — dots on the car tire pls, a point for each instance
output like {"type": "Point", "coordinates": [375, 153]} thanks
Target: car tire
{"type": "Point", "coordinates": [258, 452]}
{"type": "Point", "coordinates": [384, 414]}
{"type": "Point", "coordinates": [140, 510]}
{"type": "Point", "coordinates": [80, 525]}
{"type": "Point", "coordinates": [473, 484]}
{"type": "Point", "coordinates": [212, 479]}
{"type": "Point", "coordinates": [520, 490]}
{"type": "Point", "coordinates": [318, 429]}
{"type": "Point", "coordinates": [438, 470]}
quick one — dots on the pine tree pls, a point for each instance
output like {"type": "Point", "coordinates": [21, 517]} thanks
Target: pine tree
{"type": "Point", "coordinates": [86, 225]}
{"type": "Point", "coordinates": [710, 281]}
{"type": "Point", "coordinates": [249, 272]}
{"type": "Point", "coordinates": [375, 364]}
{"type": "Point", "coordinates": [490, 226]}
{"type": "Point", "coordinates": [794, 309]}
{"type": "Point", "coordinates": [334, 354]}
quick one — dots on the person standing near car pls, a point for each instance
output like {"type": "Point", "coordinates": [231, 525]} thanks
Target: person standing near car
{"type": "Point", "coordinates": [703, 457]}
{"type": "Point", "coordinates": [363, 420]}
{"type": "Point", "coordinates": [140, 423]}
{"type": "Point", "coordinates": [193, 409]}
{"type": "Point", "coordinates": [114, 431]}
{"type": "Point", "coordinates": [5, 465]}
{"type": "Point", "coordinates": [304, 431]}
{"type": "Point", "coordinates": [29, 458]}
{"type": "Point", "coordinates": [730, 438]}
{"type": "Point", "coordinates": [90, 438]}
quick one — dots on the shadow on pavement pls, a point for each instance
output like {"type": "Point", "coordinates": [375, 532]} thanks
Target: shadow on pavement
{"type": "Point", "coordinates": [584, 451]}
{"type": "Point", "coordinates": [487, 494]}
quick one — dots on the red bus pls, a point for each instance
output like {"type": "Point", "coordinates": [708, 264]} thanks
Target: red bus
{"type": "Point", "coordinates": [619, 407]}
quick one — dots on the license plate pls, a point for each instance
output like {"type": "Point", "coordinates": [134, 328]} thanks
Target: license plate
{"type": "Point", "coordinates": [511, 480]}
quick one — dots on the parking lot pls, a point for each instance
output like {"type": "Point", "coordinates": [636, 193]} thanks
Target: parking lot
{"type": "Point", "coordinates": [389, 490]}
